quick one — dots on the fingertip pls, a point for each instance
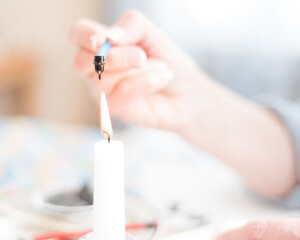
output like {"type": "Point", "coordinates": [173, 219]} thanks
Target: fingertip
{"type": "Point", "coordinates": [115, 33]}
{"type": "Point", "coordinates": [137, 58]}
{"type": "Point", "coordinates": [125, 58]}
{"type": "Point", "coordinates": [159, 80]}
{"type": "Point", "coordinates": [93, 41]}
{"type": "Point", "coordinates": [88, 34]}
{"type": "Point", "coordinates": [83, 62]}
{"type": "Point", "coordinates": [168, 75]}
{"type": "Point", "coordinates": [78, 62]}
{"type": "Point", "coordinates": [129, 28]}
{"type": "Point", "coordinates": [96, 41]}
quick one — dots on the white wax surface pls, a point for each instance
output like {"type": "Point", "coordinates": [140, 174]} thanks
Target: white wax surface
{"type": "Point", "coordinates": [109, 197]}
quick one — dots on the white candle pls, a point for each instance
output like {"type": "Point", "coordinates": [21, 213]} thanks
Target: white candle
{"type": "Point", "coordinates": [109, 203]}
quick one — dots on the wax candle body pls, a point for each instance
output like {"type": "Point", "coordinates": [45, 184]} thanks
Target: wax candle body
{"type": "Point", "coordinates": [109, 196]}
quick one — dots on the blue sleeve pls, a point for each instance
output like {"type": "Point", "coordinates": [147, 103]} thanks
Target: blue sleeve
{"type": "Point", "coordinates": [289, 113]}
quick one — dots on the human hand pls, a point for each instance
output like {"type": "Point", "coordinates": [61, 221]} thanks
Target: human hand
{"type": "Point", "coordinates": [147, 79]}
{"type": "Point", "coordinates": [283, 229]}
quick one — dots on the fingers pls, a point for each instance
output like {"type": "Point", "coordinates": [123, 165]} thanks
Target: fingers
{"type": "Point", "coordinates": [88, 34]}
{"type": "Point", "coordinates": [126, 85]}
{"type": "Point", "coordinates": [144, 82]}
{"type": "Point", "coordinates": [118, 59]}
{"type": "Point", "coordinates": [265, 230]}
{"type": "Point", "coordinates": [133, 28]}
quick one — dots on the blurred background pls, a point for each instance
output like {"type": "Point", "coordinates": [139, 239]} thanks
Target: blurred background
{"type": "Point", "coordinates": [49, 122]}
{"type": "Point", "coordinates": [252, 46]}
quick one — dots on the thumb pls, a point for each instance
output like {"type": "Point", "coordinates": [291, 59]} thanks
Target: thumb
{"type": "Point", "coordinates": [133, 28]}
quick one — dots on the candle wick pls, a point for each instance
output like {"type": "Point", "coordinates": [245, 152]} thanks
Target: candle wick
{"type": "Point", "coordinates": [108, 135]}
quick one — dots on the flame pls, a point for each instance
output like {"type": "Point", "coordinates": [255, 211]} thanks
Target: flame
{"type": "Point", "coordinates": [105, 123]}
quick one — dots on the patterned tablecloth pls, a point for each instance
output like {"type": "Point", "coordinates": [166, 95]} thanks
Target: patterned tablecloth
{"type": "Point", "coordinates": [35, 151]}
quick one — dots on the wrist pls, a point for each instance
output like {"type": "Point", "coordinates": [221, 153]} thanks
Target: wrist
{"type": "Point", "coordinates": [245, 136]}
{"type": "Point", "coordinates": [207, 115]}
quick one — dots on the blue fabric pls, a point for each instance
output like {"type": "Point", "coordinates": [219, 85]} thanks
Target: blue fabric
{"type": "Point", "coordinates": [289, 113]}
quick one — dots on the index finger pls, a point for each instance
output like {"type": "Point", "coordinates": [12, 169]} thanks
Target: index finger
{"type": "Point", "coordinates": [88, 34]}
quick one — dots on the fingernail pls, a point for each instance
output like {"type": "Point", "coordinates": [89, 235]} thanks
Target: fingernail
{"type": "Point", "coordinates": [93, 41]}
{"type": "Point", "coordinates": [137, 58]}
{"type": "Point", "coordinates": [168, 74]}
{"type": "Point", "coordinates": [163, 80]}
{"type": "Point", "coordinates": [115, 33]}
{"type": "Point", "coordinates": [157, 64]}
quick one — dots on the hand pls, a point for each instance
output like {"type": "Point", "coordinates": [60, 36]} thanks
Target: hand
{"type": "Point", "coordinates": [285, 229]}
{"type": "Point", "coordinates": [149, 81]}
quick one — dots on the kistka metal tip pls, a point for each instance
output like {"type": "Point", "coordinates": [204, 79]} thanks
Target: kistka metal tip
{"type": "Point", "coordinates": [99, 65]}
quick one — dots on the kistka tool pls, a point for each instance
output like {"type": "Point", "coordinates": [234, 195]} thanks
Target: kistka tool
{"type": "Point", "coordinates": [99, 59]}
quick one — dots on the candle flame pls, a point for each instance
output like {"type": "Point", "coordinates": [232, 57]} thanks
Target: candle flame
{"type": "Point", "coordinates": [105, 122]}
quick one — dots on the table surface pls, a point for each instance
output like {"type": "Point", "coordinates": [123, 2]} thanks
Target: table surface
{"type": "Point", "coordinates": [160, 167]}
